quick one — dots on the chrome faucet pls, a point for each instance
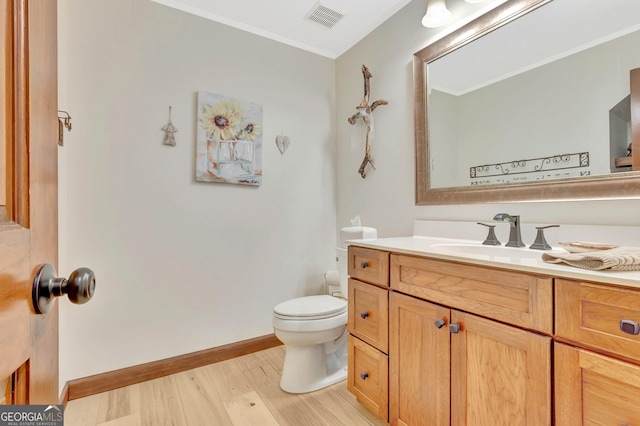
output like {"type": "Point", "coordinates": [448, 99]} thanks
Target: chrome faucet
{"type": "Point", "coordinates": [515, 240]}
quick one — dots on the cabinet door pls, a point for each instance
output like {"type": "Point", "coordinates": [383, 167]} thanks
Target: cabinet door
{"type": "Point", "coordinates": [419, 362]}
{"type": "Point", "coordinates": [500, 375]}
{"type": "Point", "coordinates": [593, 389]}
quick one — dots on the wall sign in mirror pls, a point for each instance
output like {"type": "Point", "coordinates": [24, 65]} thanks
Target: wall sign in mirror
{"type": "Point", "coordinates": [535, 100]}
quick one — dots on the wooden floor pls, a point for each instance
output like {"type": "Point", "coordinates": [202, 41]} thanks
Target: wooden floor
{"type": "Point", "coordinates": [241, 391]}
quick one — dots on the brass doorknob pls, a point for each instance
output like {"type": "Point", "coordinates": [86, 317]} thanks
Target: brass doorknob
{"type": "Point", "coordinates": [46, 286]}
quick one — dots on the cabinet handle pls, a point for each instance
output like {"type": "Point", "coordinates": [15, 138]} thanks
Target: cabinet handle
{"type": "Point", "coordinates": [629, 327]}
{"type": "Point", "coordinates": [364, 376]}
{"type": "Point", "coordinates": [454, 328]}
{"type": "Point", "coordinates": [363, 265]}
{"type": "Point", "coordinates": [440, 323]}
{"type": "Point", "coordinates": [364, 315]}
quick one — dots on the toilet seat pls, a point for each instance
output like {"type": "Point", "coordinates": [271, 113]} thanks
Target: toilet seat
{"type": "Point", "coordinates": [310, 308]}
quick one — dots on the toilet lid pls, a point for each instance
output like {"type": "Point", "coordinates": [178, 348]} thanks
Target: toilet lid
{"type": "Point", "coordinates": [311, 307]}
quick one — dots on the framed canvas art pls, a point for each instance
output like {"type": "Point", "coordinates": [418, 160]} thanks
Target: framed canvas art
{"type": "Point", "coordinates": [229, 140]}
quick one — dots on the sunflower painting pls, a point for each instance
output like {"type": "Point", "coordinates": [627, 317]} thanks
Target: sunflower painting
{"type": "Point", "coordinates": [229, 140]}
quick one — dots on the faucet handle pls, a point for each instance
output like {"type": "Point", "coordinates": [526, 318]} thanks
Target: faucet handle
{"type": "Point", "coordinates": [541, 243]}
{"type": "Point", "coordinates": [491, 239]}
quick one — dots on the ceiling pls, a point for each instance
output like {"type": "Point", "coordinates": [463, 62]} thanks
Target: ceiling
{"type": "Point", "coordinates": [285, 20]}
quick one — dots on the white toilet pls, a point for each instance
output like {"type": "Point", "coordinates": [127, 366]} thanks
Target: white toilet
{"type": "Point", "coordinates": [314, 332]}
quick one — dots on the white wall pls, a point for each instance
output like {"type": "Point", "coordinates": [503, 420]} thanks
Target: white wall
{"type": "Point", "coordinates": [182, 265]}
{"type": "Point", "coordinates": [385, 199]}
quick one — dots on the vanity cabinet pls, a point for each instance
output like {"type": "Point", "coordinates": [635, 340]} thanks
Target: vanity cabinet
{"type": "Point", "coordinates": [597, 368]}
{"type": "Point", "coordinates": [368, 325]}
{"type": "Point", "coordinates": [448, 366]}
{"type": "Point", "coordinates": [471, 344]}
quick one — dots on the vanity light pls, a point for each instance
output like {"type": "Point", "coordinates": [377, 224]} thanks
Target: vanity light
{"type": "Point", "coordinates": [437, 14]}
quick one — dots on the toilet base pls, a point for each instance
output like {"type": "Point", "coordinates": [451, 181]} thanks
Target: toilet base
{"type": "Point", "coordinates": [310, 368]}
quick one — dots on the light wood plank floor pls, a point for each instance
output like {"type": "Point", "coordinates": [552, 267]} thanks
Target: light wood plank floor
{"type": "Point", "coordinates": [241, 391]}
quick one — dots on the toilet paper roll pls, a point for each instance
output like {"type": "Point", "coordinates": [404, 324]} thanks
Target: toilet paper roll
{"type": "Point", "coordinates": [332, 282]}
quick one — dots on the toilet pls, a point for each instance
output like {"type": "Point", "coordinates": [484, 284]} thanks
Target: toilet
{"type": "Point", "coordinates": [314, 332]}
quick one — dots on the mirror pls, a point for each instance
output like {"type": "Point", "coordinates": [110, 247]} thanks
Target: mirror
{"type": "Point", "coordinates": [534, 100]}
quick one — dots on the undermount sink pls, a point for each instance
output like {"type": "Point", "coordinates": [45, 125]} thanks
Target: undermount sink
{"type": "Point", "coordinates": [491, 251]}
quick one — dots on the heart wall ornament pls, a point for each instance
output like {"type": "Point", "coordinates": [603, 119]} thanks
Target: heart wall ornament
{"type": "Point", "coordinates": [282, 142]}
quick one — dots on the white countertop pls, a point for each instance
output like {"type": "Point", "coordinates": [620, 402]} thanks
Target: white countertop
{"type": "Point", "coordinates": [521, 259]}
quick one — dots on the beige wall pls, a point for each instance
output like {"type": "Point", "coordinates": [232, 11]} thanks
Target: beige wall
{"type": "Point", "coordinates": [183, 265]}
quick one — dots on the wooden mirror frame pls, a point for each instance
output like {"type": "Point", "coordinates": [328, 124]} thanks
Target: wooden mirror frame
{"type": "Point", "coordinates": [624, 185]}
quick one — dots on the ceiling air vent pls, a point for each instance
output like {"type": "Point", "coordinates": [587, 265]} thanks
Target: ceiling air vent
{"type": "Point", "coordinates": [324, 15]}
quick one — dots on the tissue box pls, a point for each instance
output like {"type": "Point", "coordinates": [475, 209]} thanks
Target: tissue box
{"type": "Point", "coordinates": [357, 233]}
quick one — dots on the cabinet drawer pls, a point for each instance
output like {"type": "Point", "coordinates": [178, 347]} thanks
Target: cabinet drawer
{"type": "Point", "coordinates": [369, 265]}
{"type": "Point", "coordinates": [591, 315]}
{"type": "Point", "coordinates": [517, 298]}
{"type": "Point", "coordinates": [369, 314]}
{"type": "Point", "coordinates": [368, 377]}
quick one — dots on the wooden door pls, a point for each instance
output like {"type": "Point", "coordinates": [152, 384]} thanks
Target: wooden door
{"type": "Point", "coordinates": [592, 389]}
{"type": "Point", "coordinates": [419, 362]}
{"type": "Point", "coordinates": [500, 375]}
{"type": "Point", "coordinates": [28, 198]}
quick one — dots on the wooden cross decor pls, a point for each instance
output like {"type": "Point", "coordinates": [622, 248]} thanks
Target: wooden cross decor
{"type": "Point", "coordinates": [364, 111]}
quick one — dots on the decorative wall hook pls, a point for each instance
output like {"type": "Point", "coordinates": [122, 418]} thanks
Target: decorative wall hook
{"type": "Point", "coordinates": [64, 120]}
{"type": "Point", "coordinates": [169, 129]}
{"type": "Point", "coordinates": [282, 142]}
{"type": "Point", "coordinates": [364, 112]}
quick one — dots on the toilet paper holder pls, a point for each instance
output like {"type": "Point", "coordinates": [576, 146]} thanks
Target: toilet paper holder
{"type": "Point", "coordinates": [332, 283]}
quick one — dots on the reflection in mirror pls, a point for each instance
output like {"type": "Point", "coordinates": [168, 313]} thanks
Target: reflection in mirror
{"type": "Point", "coordinates": [538, 109]}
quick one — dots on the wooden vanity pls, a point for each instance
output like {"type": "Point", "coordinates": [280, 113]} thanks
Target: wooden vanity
{"type": "Point", "coordinates": [439, 341]}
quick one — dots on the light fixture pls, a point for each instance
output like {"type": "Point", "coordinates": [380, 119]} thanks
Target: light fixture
{"type": "Point", "coordinates": [437, 14]}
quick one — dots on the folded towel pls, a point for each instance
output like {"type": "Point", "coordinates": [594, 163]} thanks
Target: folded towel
{"type": "Point", "coordinates": [624, 258]}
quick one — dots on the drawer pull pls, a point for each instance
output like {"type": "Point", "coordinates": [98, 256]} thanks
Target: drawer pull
{"type": "Point", "coordinates": [629, 327]}
{"type": "Point", "coordinates": [440, 323]}
{"type": "Point", "coordinates": [364, 315]}
{"type": "Point", "coordinates": [454, 328]}
{"type": "Point", "coordinates": [363, 265]}
{"type": "Point", "coordinates": [364, 376]}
